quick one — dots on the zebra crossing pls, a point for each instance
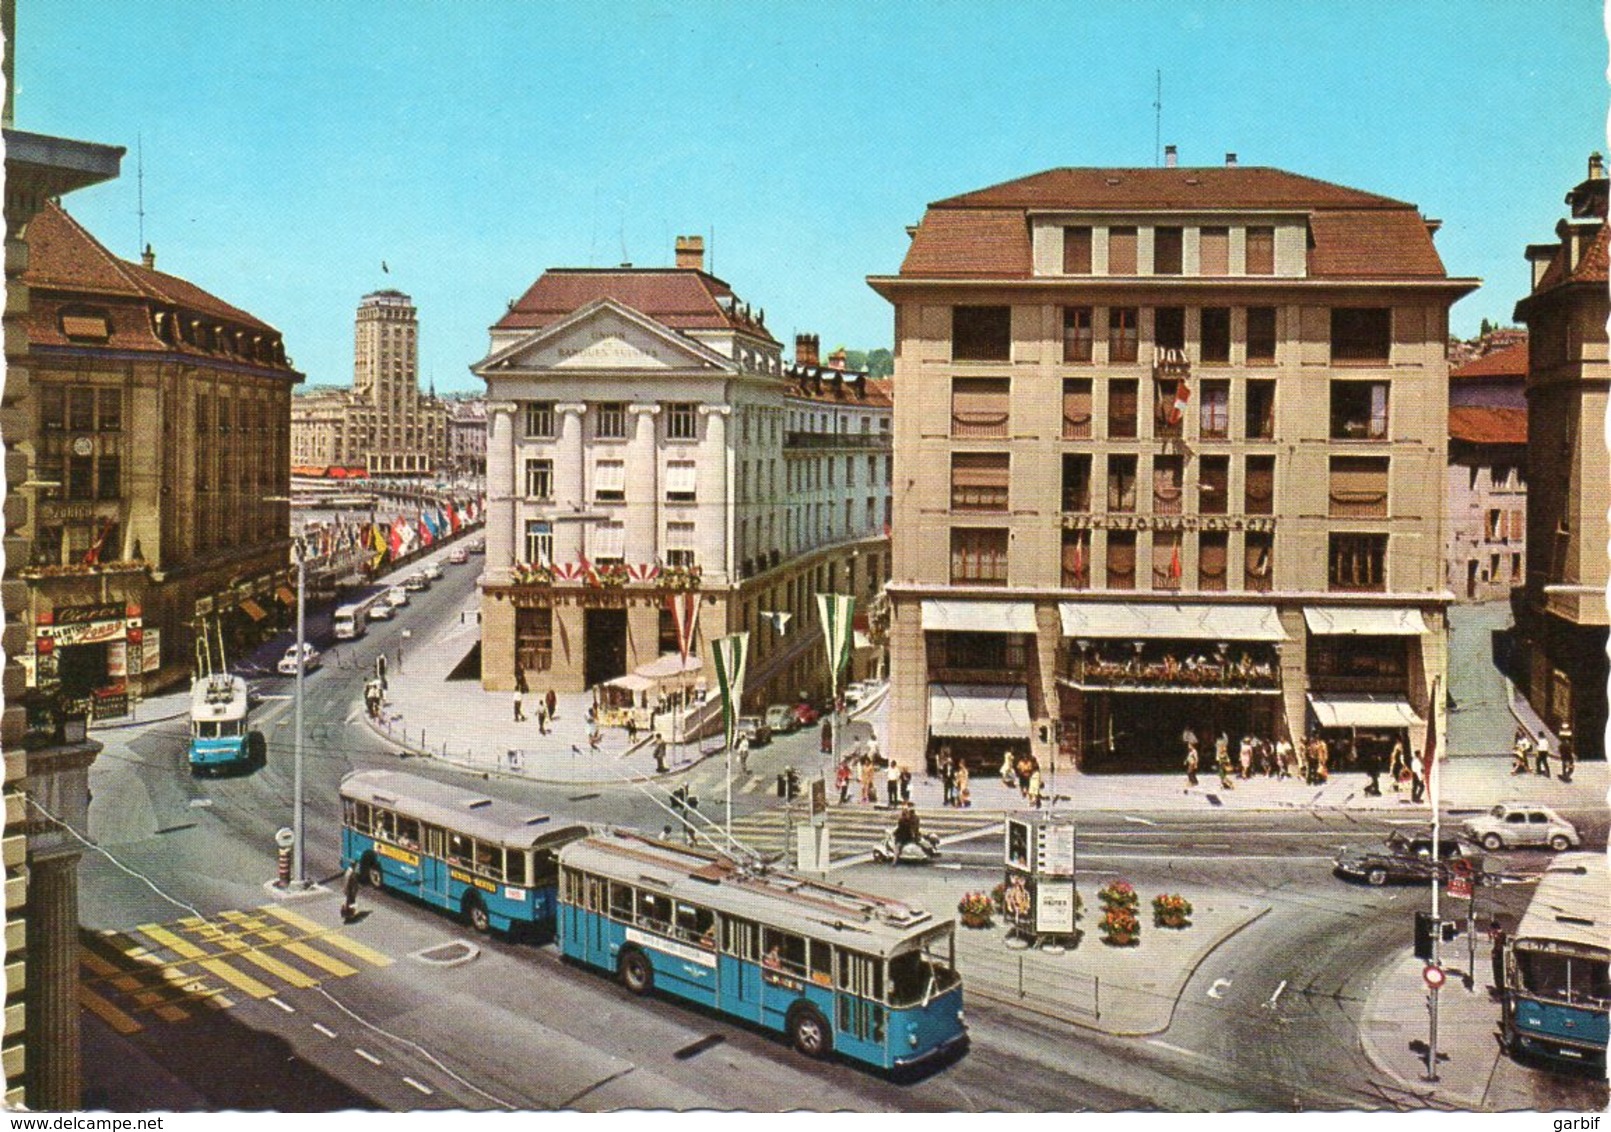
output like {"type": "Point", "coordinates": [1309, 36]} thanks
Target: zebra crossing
{"type": "Point", "coordinates": [854, 829]}
{"type": "Point", "coordinates": [170, 971]}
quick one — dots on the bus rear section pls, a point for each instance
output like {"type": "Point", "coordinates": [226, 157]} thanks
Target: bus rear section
{"type": "Point", "coordinates": [834, 970]}
{"type": "Point", "coordinates": [1557, 998]}
{"type": "Point", "coordinates": [488, 861]}
{"type": "Point", "coordinates": [349, 622]}
{"type": "Point", "coordinates": [220, 733]}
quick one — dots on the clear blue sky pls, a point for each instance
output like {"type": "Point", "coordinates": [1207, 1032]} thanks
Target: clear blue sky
{"type": "Point", "coordinates": [291, 147]}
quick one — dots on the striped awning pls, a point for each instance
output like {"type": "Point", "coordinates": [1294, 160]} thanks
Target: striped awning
{"type": "Point", "coordinates": [979, 711]}
{"type": "Point", "coordinates": [1363, 711]}
{"type": "Point", "coordinates": [1365, 622]}
{"type": "Point", "coordinates": [960, 616]}
{"type": "Point", "coordinates": [1185, 620]}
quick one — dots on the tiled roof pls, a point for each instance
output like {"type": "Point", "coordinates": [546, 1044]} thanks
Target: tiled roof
{"type": "Point", "coordinates": [816, 383]}
{"type": "Point", "coordinates": [1482, 425]}
{"type": "Point", "coordinates": [680, 298]}
{"type": "Point", "coordinates": [958, 243]}
{"type": "Point", "coordinates": [1215, 186]}
{"type": "Point", "coordinates": [1591, 266]}
{"type": "Point", "coordinates": [1370, 245]}
{"type": "Point", "coordinates": [1508, 362]}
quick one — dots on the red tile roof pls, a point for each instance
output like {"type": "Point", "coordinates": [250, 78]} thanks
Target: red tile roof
{"type": "Point", "coordinates": [1369, 245]}
{"type": "Point", "coordinates": [959, 243]}
{"type": "Point", "coordinates": [1591, 266]}
{"type": "Point", "coordinates": [1482, 425]}
{"type": "Point", "coordinates": [680, 298]}
{"type": "Point", "coordinates": [880, 392]}
{"type": "Point", "coordinates": [1508, 362]}
{"type": "Point", "coordinates": [1214, 186]}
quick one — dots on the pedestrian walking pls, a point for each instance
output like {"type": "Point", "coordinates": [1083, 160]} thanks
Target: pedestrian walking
{"type": "Point", "coordinates": [960, 794]}
{"type": "Point", "coordinates": [1191, 764]}
{"type": "Point", "coordinates": [1521, 752]}
{"type": "Point", "coordinates": [349, 892]}
{"type": "Point", "coordinates": [841, 779]}
{"type": "Point", "coordinates": [743, 753]}
{"type": "Point", "coordinates": [542, 718]}
{"type": "Point", "coordinates": [520, 710]}
{"type": "Point", "coordinates": [1222, 761]}
{"type": "Point", "coordinates": [551, 702]}
{"type": "Point", "coordinates": [1284, 758]}
{"type": "Point", "coordinates": [827, 735]}
{"type": "Point", "coordinates": [1244, 757]}
{"type": "Point", "coordinates": [1300, 754]}
{"type": "Point", "coordinates": [1497, 957]}
{"type": "Point", "coordinates": [1541, 755]}
{"type": "Point", "coordinates": [1034, 789]}
{"type": "Point", "coordinates": [1395, 764]}
{"type": "Point", "coordinates": [1371, 763]}
{"type": "Point", "coordinates": [892, 783]}
{"type": "Point", "coordinates": [906, 785]}
{"type": "Point", "coordinates": [1568, 754]}
{"type": "Point", "coordinates": [1418, 779]}
{"type": "Point", "coordinates": [1322, 761]}
{"type": "Point", "coordinates": [1009, 777]}
{"type": "Point", "coordinates": [867, 791]}
{"type": "Point", "coordinates": [948, 780]}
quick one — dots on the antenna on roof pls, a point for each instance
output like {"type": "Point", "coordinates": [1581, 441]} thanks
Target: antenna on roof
{"type": "Point", "coordinates": [1157, 122]}
{"type": "Point", "coordinates": [625, 262]}
{"type": "Point", "coordinates": [139, 185]}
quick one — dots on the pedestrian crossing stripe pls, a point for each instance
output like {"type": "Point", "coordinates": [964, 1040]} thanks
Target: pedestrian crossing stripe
{"type": "Point", "coordinates": [319, 959]}
{"type": "Point", "coordinates": [106, 1012]}
{"type": "Point", "coordinates": [240, 980]}
{"type": "Point", "coordinates": [282, 971]}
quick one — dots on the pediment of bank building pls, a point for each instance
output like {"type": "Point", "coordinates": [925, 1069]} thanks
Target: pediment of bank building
{"type": "Point", "coordinates": [605, 338]}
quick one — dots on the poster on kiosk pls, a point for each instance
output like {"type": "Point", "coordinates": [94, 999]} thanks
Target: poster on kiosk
{"type": "Point", "coordinates": [1038, 897]}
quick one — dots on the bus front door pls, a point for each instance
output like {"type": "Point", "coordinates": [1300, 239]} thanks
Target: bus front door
{"type": "Point", "coordinates": [738, 970]}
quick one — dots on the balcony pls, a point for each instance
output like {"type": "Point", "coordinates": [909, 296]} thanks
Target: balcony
{"type": "Point", "coordinates": [818, 441]}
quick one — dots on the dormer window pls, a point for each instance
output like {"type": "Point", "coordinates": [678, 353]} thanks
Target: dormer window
{"type": "Point", "coordinates": [86, 324]}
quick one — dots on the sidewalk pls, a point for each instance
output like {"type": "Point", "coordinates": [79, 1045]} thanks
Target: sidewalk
{"type": "Point", "coordinates": [1395, 1024]}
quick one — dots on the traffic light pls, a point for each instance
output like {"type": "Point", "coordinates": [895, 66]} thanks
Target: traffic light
{"type": "Point", "coordinates": [1425, 926]}
{"type": "Point", "coordinates": [682, 801]}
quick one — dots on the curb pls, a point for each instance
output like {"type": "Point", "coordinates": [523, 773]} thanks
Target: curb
{"type": "Point", "coordinates": [1427, 1091]}
{"type": "Point", "coordinates": [182, 714]}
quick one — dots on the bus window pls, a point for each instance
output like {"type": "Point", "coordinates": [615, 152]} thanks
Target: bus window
{"type": "Point", "coordinates": [738, 939]}
{"type": "Point", "coordinates": [384, 825]}
{"type": "Point", "coordinates": [489, 859]}
{"type": "Point", "coordinates": [458, 849]}
{"type": "Point", "coordinates": [433, 840]}
{"type": "Point", "coordinates": [545, 862]}
{"type": "Point", "coordinates": [822, 962]}
{"type": "Point", "coordinates": [361, 817]}
{"type": "Point", "coordinates": [408, 833]}
{"type": "Point", "coordinates": [654, 911]}
{"type": "Point", "coordinates": [595, 894]}
{"type": "Point", "coordinates": [861, 975]}
{"type": "Point", "coordinates": [621, 897]}
{"type": "Point", "coordinates": [1564, 977]}
{"type": "Point", "coordinates": [783, 950]}
{"type": "Point", "coordinates": [696, 925]}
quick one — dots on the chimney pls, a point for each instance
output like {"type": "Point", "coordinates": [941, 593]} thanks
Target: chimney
{"type": "Point", "coordinates": [1171, 159]}
{"type": "Point", "coordinates": [805, 350]}
{"type": "Point", "coordinates": [836, 360]}
{"type": "Point", "coordinates": [1230, 160]}
{"type": "Point", "coordinates": [1596, 167]}
{"type": "Point", "coordinates": [148, 259]}
{"type": "Point", "coordinates": [691, 253]}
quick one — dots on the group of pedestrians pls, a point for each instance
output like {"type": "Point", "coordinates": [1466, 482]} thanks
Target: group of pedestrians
{"type": "Point", "coordinates": [547, 705]}
{"type": "Point", "coordinates": [863, 768]}
{"type": "Point", "coordinates": [1531, 756]}
{"type": "Point", "coordinates": [1311, 761]}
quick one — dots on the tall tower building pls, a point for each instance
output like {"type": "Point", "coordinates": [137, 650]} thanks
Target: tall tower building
{"type": "Point", "coordinates": [406, 435]}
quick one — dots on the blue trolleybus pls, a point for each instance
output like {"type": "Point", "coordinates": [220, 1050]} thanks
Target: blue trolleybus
{"type": "Point", "coordinates": [489, 861]}
{"type": "Point", "coordinates": [1557, 988]}
{"type": "Point", "coordinates": [868, 976]}
{"type": "Point", "coordinates": [220, 738]}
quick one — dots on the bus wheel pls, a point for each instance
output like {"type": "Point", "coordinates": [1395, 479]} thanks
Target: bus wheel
{"type": "Point", "coordinates": [636, 973]}
{"type": "Point", "coordinates": [372, 874]}
{"type": "Point", "coordinates": [809, 1032]}
{"type": "Point", "coordinates": [476, 913]}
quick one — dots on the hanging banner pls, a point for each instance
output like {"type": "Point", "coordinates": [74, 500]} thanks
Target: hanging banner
{"type": "Point", "coordinates": [731, 653]}
{"type": "Point", "coordinates": [685, 612]}
{"type": "Point", "coordinates": [837, 612]}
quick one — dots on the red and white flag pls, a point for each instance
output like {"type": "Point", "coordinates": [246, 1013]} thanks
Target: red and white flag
{"type": "Point", "coordinates": [1182, 399]}
{"type": "Point", "coordinates": [685, 612]}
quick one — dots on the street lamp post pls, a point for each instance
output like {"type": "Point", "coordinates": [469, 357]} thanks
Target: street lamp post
{"type": "Point", "coordinates": [299, 877]}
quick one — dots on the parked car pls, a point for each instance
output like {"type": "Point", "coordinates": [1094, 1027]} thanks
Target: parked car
{"type": "Point", "coordinates": [1406, 858]}
{"type": "Point", "coordinates": [781, 719]}
{"type": "Point", "coordinates": [310, 660]}
{"type": "Point", "coordinates": [433, 571]}
{"type": "Point", "coordinates": [382, 610]}
{"type": "Point", "coordinates": [479, 546]}
{"type": "Point", "coordinates": [755, 728]}
{"type": "Point", "coordinates": [806, 714]}
{"type": "Point", "coordinates": [459, 556]}
{"type": "Point", "coordinates": [417, 581]}
{"type": "Point", "coordinates": [397, 597]}
{"type": "Point", "coordinates": [1512, 824]}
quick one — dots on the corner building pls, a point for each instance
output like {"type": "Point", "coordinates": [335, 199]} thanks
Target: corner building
{"type": "Point", "coordinates": [1167, 456]}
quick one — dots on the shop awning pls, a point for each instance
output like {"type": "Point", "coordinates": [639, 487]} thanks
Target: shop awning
{"type": "Point", "coordinates": [286, 595]}
{"type": "Point", "coordinates": [632, 682]}
{"type": "Point", "coordinates": [1363, 711]}
{"type": "Point", "coordinates": [978, 617]}
{"type": "Point", "coordinates": [1352, 622]}
{"type": "Point", "coordinates": [669, 665]}
{"type": "Point", "coordinates": [979, 711]}
{"type": "Point", "coordinates": [252, 609]}
{"type": "Point", "coordinates": [1191, 621]}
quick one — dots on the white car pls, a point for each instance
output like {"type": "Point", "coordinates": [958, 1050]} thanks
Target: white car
{"type": "Point", "coordinates": [310, 660]}
{"type": "Point", "coordinates": [1512, 824]}
{"type": "Point", "coordinates": [433, 571]}
{"type": "Point", "coordinates": [417, 581]}
{"type": "Point", "coordinates": [459, 556]}
{"type": "Point", "coordinates": [397, 597]}
{"type": "Point", "coordinates": [381, 610]}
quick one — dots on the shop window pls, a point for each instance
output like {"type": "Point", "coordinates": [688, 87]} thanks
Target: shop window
{"type": "Point", "coordinates": [1077, 251]}
{"type": "Point", "coordinates": [1260, 421]}
{"type": "Point", "coordinates": [1260, 485]}
{"type": "Point", "coordinates": [978, 481]}
{"type": "Point", "coordinates": [1076, 482]}
{"type": "Point", "coordinates": [534, 639]}
{"type": "Point", "coordinates": [1259, 561]}
{"type": "Point", "coordinates": [1260, 335]}
{"type": "Point", "coordinates": [1077, 408]}
{"type": "Point", "coordinates": [1124, 341]}
{"type": "Point", "coordinates": [1216, 335]}
{"type": "Point", "coordinates": [1212, 547]}
{"type": "Point", "coordinates": [995, 652]}
{"type": "Point", "coordinates": [978, 556]}
{"type": "Point", "coordinates": [1214, 251]}
{"type": "Point", "coordinates": [1122, 412]}
{"type": "Point", "coordinates": [1121, 572]}
{"type": "Point", "coordinates": [1167, 246]}
{"type": "Point", "coordinates": [1121, 483]}
{"type": "Point", "coordinates": [1357, 562]}
{"type": "Point", "coordinates": [1359, 410]}
{"type": "Point", "coordinates": [1358, 487]}
{"type": "Point", "coordinates": [979, 407]}
{"type": "Point", "coordinates": [1213, 485]}
{"type": "Point", "coordinates": [1261, 251]}
{"type": "Point", "coordinates": [1214, 409]}
{"type": "Point", "coordinates": [981, 334]}
{"type": "Point", "coordinates": [1361, 335]}
{"type": "Point", "coordinates": [1076, 334]}
{"type": "Point", "coordinates": [1167, 472]}
{"type": "Point", "coordinates": [1076, 560]}
{"type": "Point", "coordinates": [1122, 251]}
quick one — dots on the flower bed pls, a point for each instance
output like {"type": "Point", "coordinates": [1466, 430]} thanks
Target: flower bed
{"type": "Point", "coordinates": [1119, 894]}
{"type": "Point", "coordinates": [1120, 928]}
{"type": "Point", "coordinates": [976, 909]}
{"type": "Point", "coordinates": [1171, 911]}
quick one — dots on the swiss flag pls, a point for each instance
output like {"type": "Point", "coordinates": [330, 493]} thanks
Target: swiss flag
{"type": "Point", "coordinates": [1182, 398]}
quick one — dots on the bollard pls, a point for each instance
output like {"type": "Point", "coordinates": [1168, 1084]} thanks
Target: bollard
{"type": "Point", "coordinates": [284, 868]}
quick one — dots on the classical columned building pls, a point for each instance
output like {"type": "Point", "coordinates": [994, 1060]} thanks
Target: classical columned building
{"type": "Point", "coordinates": [642, 425]}
{"type": "Point", "coordinates": [1163, 446]}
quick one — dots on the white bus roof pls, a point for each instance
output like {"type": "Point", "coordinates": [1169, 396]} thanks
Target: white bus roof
{"type": "Point", "coordinates": [470, 812]}
{"type": "Point", "coordinates": [859, 920]}
{"type": "Point", "coordinates": [220, 697]}
{"type": "Point", "coordinates": [1572, 903]}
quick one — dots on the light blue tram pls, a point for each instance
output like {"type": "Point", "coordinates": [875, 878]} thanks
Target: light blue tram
{"type": "Point", "coordinates": [486, 860]}
{"type": "Point", "coordinates": [836, 970]}
{"type": "Point", "coordinates": [1557, 980]}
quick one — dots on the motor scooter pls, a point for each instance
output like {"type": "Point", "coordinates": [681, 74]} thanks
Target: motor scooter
{"type": "Point", "coordinates": [927, 847]}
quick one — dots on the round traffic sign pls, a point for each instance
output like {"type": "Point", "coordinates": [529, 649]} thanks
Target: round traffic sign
{"type": "Point", "coordinates": [1434, 976]}
{"type": "Point", "coordinates": [284, 838]}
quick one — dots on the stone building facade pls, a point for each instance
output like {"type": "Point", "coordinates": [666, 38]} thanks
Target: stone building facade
{"type": "Point", "coordinates": [1161, 452]}
{"type": "Point", "coordinates": [1561, 614]}
{"type": "Point", "coordinates": [647, 441]}
{"type": "Point", "coordinates": [1486, 548]}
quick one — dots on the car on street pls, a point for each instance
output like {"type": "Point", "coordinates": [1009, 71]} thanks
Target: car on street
{"type": "Point", "coordinates": [417, 581]}
{"type": "Point", "coordinates": [433, 571]}
{"type": "Point", "coordinates": [1405, 857]}
{"type": "Point", "coordinates": [781, 719]}
{"type": "Point", "coordinates": [479, 546]}
{"type": "Point", "coordinates": [755, 728]}
{"type": "Point", "coordinates": [459, 556]}
{"type": "Point", "coordinates": [1510, 825]}
{"type": "Point", "coordinates": [310, 660]}
{"type": "Point", "coordinates": [381, 610]}
{"type": "Point", "coordinates": [806, 714]}
{"type": "Point", "coordinates": [397, 597]}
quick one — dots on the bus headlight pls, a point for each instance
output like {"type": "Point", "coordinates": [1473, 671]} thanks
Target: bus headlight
{"type": "Point", "coordinates": [911, 1034]}
{"type": "Point", "coordinates": [961, 1021]}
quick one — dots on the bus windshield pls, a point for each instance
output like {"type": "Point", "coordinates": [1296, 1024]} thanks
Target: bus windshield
{"type": "Point", "coordinates": [923, 970]}
{"type": "Point", "coordinates": [1565, 978]}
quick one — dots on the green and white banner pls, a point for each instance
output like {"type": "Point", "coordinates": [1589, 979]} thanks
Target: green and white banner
{"type": "Point", "coordinates": [730, 654]}
{"type": "Point", "coordinates": [836, 611]}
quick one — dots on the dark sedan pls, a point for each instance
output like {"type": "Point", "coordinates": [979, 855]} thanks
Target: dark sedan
{"type": "Point", "coordinates": [1406, 858]}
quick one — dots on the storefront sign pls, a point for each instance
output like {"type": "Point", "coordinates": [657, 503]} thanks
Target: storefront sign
{"type": "Point", "coordinates": [117, 659]}
{"type": "Point", "coordinates": [91, 634]}
{"type": "Point", "coordinates": [73, 512]}
{"type": "Point", "coordinates": [84, 614]}
{"type": "Point", "coordinates": [150, 651]}
{"type": "Point", "coordinates": [110, 706]}
{"type": "Point", "coordinates": [1108, 521]}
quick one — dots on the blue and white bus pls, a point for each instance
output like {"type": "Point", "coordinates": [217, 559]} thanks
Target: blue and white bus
{"type": "Point", "coordinates": [1557, 985]}
{"type": "Point", "coordinates": [487, 860]}
{"type": "Point", "coordinates": [868, 976]}
{"type": "Point", "coordinates": [220, 733]}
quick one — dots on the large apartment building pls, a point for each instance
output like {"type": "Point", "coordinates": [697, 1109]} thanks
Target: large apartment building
{"type": "Point", "coordinates": [1167, 456]}
{"type": "Point", "coordinates": [646, 439]}
{"type": "Point", "coordinates": [1486, 532]}
{"type": "Point", "coordinates": [1561, 616]}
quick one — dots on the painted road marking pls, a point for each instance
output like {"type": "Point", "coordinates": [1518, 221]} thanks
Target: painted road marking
{"type": "Point", "coordinates": [1139, 821]}
{"type": "Point", "coordinates": [1172, 1048]}
{"type": "Point", "coordinates": [366, 1055]}
{"type": "Point", "coordinates": [353, 947]}
{"type": "Point", "coordinates": [1218, 989]}
{"type": "Point", "coordinates": [106, 1012]}
{"type": "Point", "coordinates": [278, 969]}
{"type": "Point", "coordinates": [320, 959]}
{"type": "Point", "coordinates": [181, 947]}
{"type": "Point", "coordinates": [417, 1085]}
{"type": "Point", "coordinates": [295, 919]}
{"type": "Point", "coordinates": [240, 980]}
{"type": "Point", "coordinates": [1271, 1003]}
{"type": "Point", "coordinates": [285, 1006]}
{"type": "Point", "coordinates": [323, 1029]}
